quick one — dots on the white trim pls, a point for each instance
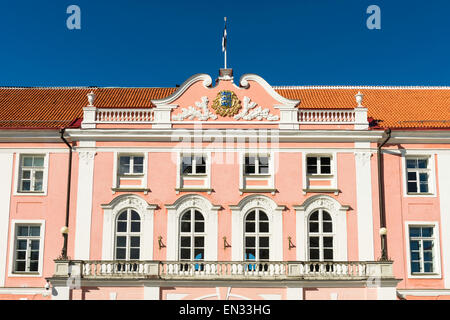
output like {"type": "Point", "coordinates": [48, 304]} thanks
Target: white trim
{"type": "Point", "coordinates": [436, 251]}
{"type": "Point", "coordinates": [364, 206]}
{"type": "Point", "coordinates": [84, 204]}
{"type": "Point", "coordinates": [364, 87]}
{"type": "Point", "coordinates": [206, 178]}
{"type": "Point", "coordinates": [142, 177]}
{"type": "Point", "coordinates": [294, 293]}
{"type": "Point", "coordinates": [17, 169]}
{"type": "Point", "coordinates": [12, 245]}
{"type": "Point", "coordinates": [151, 293]}
{"type": "Point", "coordinates": [424, 292]}
{"type": "Point", "coordinates": [274, 213]}
{"type": "Point", "coordinates": [444, 199]}
{"type": "Point", "coordinates": [6, 165]}
{"type": "Point", "coordinates": [338, 213]}
{"type": "Point", "coordinates": [110, 213]}
{"type": "Point", "coordinates": [210, 213]}
{"type": "Point", "coordinates": [432, 173]}
{"type": "Point", "coordinates": [333, 177]}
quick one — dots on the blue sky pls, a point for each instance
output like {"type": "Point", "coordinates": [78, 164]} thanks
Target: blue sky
{"type": "Point", "coordinates": [141, 43]}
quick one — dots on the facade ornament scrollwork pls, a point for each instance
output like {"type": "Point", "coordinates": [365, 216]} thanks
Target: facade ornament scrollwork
{"type": "Point", "coordinates": [250, 112]}
{"type": "Point", "coordinates": [201, 112]}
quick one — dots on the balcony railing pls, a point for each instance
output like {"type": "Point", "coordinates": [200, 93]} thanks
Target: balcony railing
{"type": "Point", "coordinates": [223, 270]}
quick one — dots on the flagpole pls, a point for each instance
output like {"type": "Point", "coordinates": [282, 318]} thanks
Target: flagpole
{"type": "Point", "coordinates": [225, 56]}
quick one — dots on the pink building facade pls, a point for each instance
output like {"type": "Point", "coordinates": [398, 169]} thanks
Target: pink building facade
{"type": "Point", "coordinates": [224, 191]}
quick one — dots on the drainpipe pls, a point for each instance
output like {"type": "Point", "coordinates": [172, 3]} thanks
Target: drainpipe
{"type": "Point", "coordinates": [65, 229]}
{"type": "Point", "coordinates": [384, 254]}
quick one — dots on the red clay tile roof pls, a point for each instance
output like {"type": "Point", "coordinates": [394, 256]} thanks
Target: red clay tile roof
{"type": "Point", "coordinates": [395, 107]}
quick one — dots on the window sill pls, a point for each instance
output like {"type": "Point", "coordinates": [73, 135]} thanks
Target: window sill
{"type": "Point", "coordinates": [258, 190]}
{"type": "Point", "coordinates": [321, 190]}
{"type": "Point", "coordinates": [424, 276]}
{"type": "Point", "coordinates": [24, 274]}
{"type": "Point", "coordinates": [130, 189]}
{"type": "Point", "coordinates": [208, 190]}
{"type": "Point", "coordinates": [30, 193]}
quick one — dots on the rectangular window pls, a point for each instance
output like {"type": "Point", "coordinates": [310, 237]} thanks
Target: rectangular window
{"type": "Point", "coordinates": [256, 165]}
{"type": "Point", "coordinates": [31, 176]}
{"type": "Point", "coordinates": [418, 175]}
{"type": "Point", "coordinates": [421, 244]}
{"type": "Point", "coordinates": [317, 165]}
{"type": "Point", "coordinates": [193, 165]}
{"type": "Point", "coordinates": [131, 165]}
{"type": "Point", "coordinates": [27, 246]}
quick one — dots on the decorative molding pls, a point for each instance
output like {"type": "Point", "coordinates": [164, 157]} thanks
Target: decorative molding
{"type": "Point", "coordinates": [207, 81]}
{"type": "Point", "coordinates": [257, 113]}
{"type": "Point", "coordinates": [363, 157]}
{"type": "Point", "coordinates": [86, 156]}
{"type": "Point", "coordinates": [190, 113]}
{"type": "Point", "coordinates": [244, 82]}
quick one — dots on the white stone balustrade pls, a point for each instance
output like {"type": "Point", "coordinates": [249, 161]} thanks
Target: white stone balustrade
{"type": "Point", "coordinates": [326, 116]}
{"type": "Point", "coordinates": [115, 115]}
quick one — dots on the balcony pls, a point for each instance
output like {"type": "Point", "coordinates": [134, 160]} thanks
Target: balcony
{"type": "Point", "coordinates": [222, 270]}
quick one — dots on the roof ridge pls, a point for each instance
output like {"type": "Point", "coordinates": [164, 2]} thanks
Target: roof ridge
{"type": "Point", "coordinates": [364, 87]}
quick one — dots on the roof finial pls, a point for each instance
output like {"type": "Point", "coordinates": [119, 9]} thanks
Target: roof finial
{"type": "Point", "coordinates": [359, 98]}
{"type": "Point", "coordinates": [91, 98]}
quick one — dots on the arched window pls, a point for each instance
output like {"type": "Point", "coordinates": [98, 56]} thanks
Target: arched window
{"type": "Point", "coordinates": [320, 236]}
{"type": "Point", "coordinates": [128, 235]}
{"type": "Point", "coordinates": [256, 237]}
{"type": "Point", "coordinates": [192, 236]}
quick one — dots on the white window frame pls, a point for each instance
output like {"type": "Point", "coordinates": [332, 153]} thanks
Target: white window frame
{"type": "Point", "coordinates": [128, 234]}
{"type": "Point", "coordinates": [12, 248]}
{"type": "Point", "coordinates": [320, 234]}
{"type": "Point", "coordinates": [436, 253]}
{"type": "Point", "coordinates": [333, 176]}
{"type": "Point", "coordinates": [192, 234]}
{"type": "Point", "coordinates": [193, 157]}
{"type": "Point", "coordinates": [257, 234]}
{"type": "Point", "coordinates": [318, 164]}
{"type": "Point", "coordinates": [256, 176]}
{"type": "Point", "coordinates": [18, 173]}
{"type": "Point", "coordinates": [257, 156]}
{"type": "Point", "coordinates": [431, 176]}
{"type": "Point", "coordinates": [206, 177]}
{"type": "Point", "coordinates": [130, 176]}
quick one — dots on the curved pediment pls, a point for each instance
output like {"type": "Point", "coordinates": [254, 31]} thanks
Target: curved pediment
{"type": "Point", "coordinates": [197, 100]}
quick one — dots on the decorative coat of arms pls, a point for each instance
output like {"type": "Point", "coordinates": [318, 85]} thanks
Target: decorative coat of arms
{"type": "Point", "coordinates": [226, 103]}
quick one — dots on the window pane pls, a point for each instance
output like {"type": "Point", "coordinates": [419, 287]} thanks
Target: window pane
{"type": "Point", "coordinates": [200, 166]}
{"type": "Point", "coordinates": [264, 254]}
{"type": "Point", "coordinates": [311, 169]}
{"type": "Point", "coordinates": [327, 227]}
{"type": "Point", "coordinates": [328, 242]}
{"type": "Point", "coordinates": [26, 185]}
{"type": "Point", "coordinates": [412, 187]}
{"type": "Point", "coordinates": [424, 187]}
{"type": "Point", "coordinates": [135, 227]}
{"type": "Point", "coordinates": [186, 163]}
{"type": "Point", "coordinates": [325, 169]}
{"type": "Point", "coordinates": [26, 174]}
{"type": "Point", "coordinates": [263, 227]}
{"type": "Point", "coordinates": [311, 165]}
{"type": "Point", "coordinates": [412, 176]}
{"type": "Point", "coordinates": [38, 185]}
{"type": "Point", "coordinates": [250, 254]}
{"type": "Point", "coordinates": [186, 215]}
{"type": "Point", "coordinates": [423, 163]}
{"type": "Point", "coordinates": [314, 242]}
{"type": "Point", "coordinates": [35, 244]}
{"type": "Point", "coordinates": [313, 227]}
{"type": "Point", "coordinates": [427, 232]}
{"type": "Point", "coordinates": [199, 242]}
{"type": "Point", "coordinates": [38, 175]}
{"type": "Point", "coordinates": [124, 164]}
{"type": "Point", "coordinates": [20, 266]}
{"type": "Point", "coordinates": [185, 241]}
{"type": "Point", "coordinates": [22, 244]}
{"type": "Point", "coordinates": [198, 254]}
{"type": "Point", "coordinates": [249, 227]}
{"type": "Point", "coordinates": [326, 216]}
{"type": "Point", "coordinates": [414, 245]}
{"type": "Point", "coordinates": [264, 165]}
{"type": "Point", "coordinates": [121, 226]}
{"type": "Point", "coordinates": [34, 266]}
{"type": "Point", "coordinates": [428, 256]}
{"type": "Point", "coordinates": [38, 162]}
{"type": "Point", "coordinates": [328, 254]}
{"type": "Point", "coordinates": [199, 216]}
{"type": "Point", "coordinates": [123, 216]}
{"type": "Point", "coordinates": [250, 242]}
{"type": "Point", "coordinates": [314, 254]}
{"type": "Point", "coordinates": [264, 242]}
{"type": "Point", "coordinates": [314, 216]}
{"type": "Point", "coordinates": [249, 165]}
{"type": "Point", "coordinates": [120, 253]}
{"type": "Point", "coordinates": [199, 227]}
{"type": "Point", "coordinates": [134, 254]}
{"type": "Point", "coordinates": [135, 242]}
{"type": "Point", "coordinates": [135, 216]}
{"type": "Point", "coordinates": [428, 267]}
{"type": "Point", "coordinates": [251, 216]}
{"type": "Point", "coordinates": [414, 232]}
{"type": "Point", "coordinates": [22, 231]}
{"type": "Point", "coordinates": [263, 216]}
{"type": "Point", "coordinates": [121, 242]}
{"type": "Point", "coordinates": [325, 161]}
{"type": "Point", "coordinates": [20, 255]}
{"type": "Point", "coordinates": [138, 164]}
{"type": "Point", "coordinates": [34, 255]}
{"type": "Point", "coordinates": [185, 253]}
{"type": "Point", "coordinates": [415, 267]}
{"type": "Point", "coordinates": [185, 226]}
{"type": "Point", "coordinates": [427, 245]}
{"type": "Point", "coordinates": [27, 161]}
{"type": "Point", "coordinates": [411, 163]}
